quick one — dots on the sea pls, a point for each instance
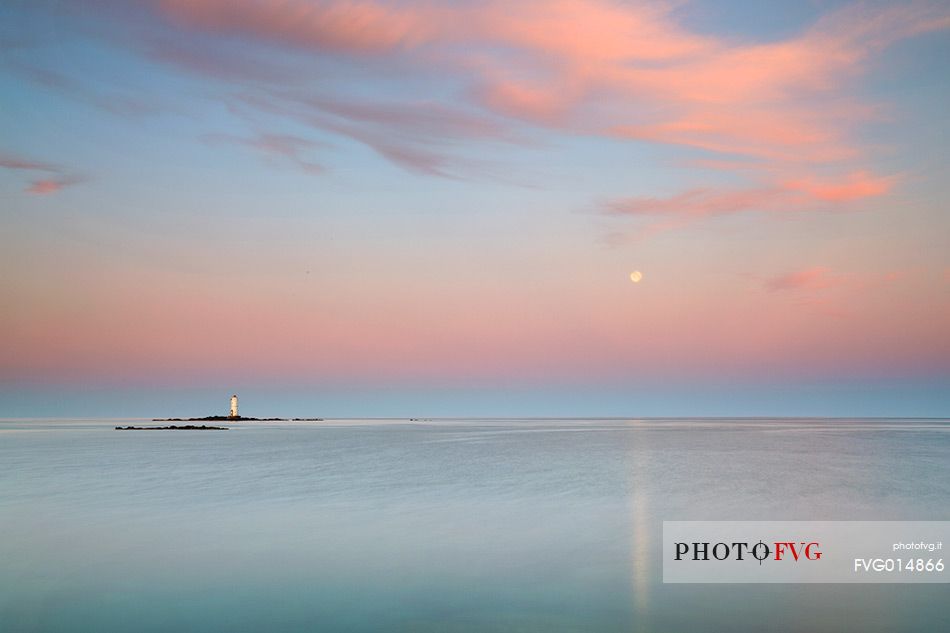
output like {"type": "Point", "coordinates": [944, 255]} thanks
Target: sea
{"type": "Point", "coordinates": [443, 525]}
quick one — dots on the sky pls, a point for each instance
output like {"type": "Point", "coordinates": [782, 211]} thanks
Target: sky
{"type": "Point", "coordinates": [345, 208]}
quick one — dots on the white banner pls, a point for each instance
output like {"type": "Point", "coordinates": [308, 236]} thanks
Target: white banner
{"type": "Point", "coordinates": [805, 551]}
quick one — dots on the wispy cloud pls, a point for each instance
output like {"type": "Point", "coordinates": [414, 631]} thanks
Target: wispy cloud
{"type": "Point", "coordinates": [16, 163]}
{"type": "Point", "coordinates": [490, 72]}
{"type": "Point", "coordinates": [353, 27]}
{"type": "Point", "coordinates": [816, 278]}
{"type": "Point", "coordinates": [221, 62]}
{"type": "Point", "coordinates": [822, 286]}
{"type": "Point", "coordinates": [114, 102]}
{"type": "Point", "coordinates": [289, 147]}
{"type": "Point", "coordinates": [49, 177]}
{"type": "Point", "coordinates": [790, 196]}
{"type": "Point", "coordinates": [419, 136]}
{"type": "Point", "coordinates": [625, 70]}
{"type": "Point", "coordinates": [557, 62]}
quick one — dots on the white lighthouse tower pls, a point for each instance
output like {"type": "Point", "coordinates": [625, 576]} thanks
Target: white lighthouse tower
{"type": "Point", "coordinates": [233, 413]}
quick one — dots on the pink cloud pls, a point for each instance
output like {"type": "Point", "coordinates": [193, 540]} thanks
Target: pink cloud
{"type": "Point", "coordinates": [338, 26]}
{"type": "Point", "coordinates": [629, 71]}
{"type": "Point", "coordinates": [44, 186]}
{"type": "Point", "coordinates": [661, 81]}
{"type": "Point", "coordinates": [524, 101]}
{"type": "Point", "coordinates": [51, 185]}
{"type": "Point", "coordinates": [13, 162]}
{"type": "Point", "coordinates": [56, 178]}
{"type": "Point", "coordinates": [700, 202]}
{"type": "Point", "coordinates": [787, 133]}
{"type": "Point", "coordinates": [830, 293]}
{"type": "Point", "coordinates": [808, 194]}
{"type": "Point", "coordinates": [816, 278]}
{"type": "Point", "coordinates": [854, 186]}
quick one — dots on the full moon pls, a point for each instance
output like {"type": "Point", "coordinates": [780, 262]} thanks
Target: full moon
{"type": "Point", "coordinates": [636, 276]}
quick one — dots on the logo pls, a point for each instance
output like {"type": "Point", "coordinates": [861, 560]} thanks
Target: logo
{"type": "Point", "coordinates": [741, 550]}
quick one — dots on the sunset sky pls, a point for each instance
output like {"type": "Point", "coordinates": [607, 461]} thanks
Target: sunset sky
{"type": "Point", "coordinates": [424, 208]}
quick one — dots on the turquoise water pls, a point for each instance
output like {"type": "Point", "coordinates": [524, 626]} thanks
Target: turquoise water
{"type": "Point", "coordinates": [449, 525]}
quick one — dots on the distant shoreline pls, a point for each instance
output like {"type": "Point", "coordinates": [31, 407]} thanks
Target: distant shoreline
{"type": "Point", "coordinates": [225, 418]}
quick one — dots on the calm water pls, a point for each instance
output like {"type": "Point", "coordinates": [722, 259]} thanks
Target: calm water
{"type": "Point", "coordinates": [474, 525]}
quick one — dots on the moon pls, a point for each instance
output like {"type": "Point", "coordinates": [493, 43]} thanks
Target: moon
{"type": "Point", "coordinates": [636, 276]}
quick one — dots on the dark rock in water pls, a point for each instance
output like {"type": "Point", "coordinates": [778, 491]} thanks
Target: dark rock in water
{"type": "Point", "coordinates": [189, 427]}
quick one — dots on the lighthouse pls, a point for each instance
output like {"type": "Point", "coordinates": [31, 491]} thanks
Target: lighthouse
{"type": "Point", "coordinates": [233, 413]}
